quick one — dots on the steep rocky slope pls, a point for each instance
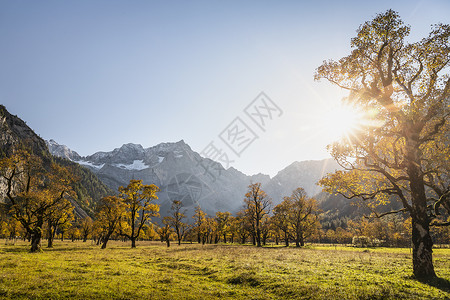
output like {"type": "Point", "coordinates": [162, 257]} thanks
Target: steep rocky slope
{"type": "Point", "coordinates": [14, 133]}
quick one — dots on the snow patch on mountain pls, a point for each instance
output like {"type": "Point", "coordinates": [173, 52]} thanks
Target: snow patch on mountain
{"type": "Point", "coordinates": [89, 164]}
{"type": "Point", "coordinates": [137, 165]}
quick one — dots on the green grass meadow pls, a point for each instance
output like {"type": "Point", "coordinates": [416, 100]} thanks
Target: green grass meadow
{"type": "Point", "coordinates": [77, 270]}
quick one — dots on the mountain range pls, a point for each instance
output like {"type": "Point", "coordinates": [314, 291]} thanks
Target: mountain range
{"type": "Point", "coordinates": [182, 174]}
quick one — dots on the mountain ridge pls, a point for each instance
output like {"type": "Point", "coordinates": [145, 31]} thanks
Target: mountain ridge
{"type": "Point", "coordinates": [182, 173]}
{"type": "Point", "coordinates": [100, 157]}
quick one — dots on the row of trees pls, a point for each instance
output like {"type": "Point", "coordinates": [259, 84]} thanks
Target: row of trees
{"type": "Point", "coordinates": [41, 199]}
{"type": "Point", "coordinates": [40, 206]}
{"type": "Point", "coordinates": [127, 213]}
{"type": "Point", "coordinates": [39, 202]}
{"type": "Point", "coordinates": [71, 228]}
{"type": "Point", "coordinates": [294, 219]}
{"type": "Point", "coordinates": [224, 227]}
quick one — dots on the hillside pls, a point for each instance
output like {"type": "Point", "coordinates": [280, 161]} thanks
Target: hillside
{"type": "Point", "coordinates": [14, 133]}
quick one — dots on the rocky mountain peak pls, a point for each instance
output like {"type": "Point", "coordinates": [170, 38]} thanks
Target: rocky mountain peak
{"type": "Point", "coordinates": [131, 147]}
{"type": "Point", "coordinates": [304, 174]}
{"type": "Point", "coordinates": [127, 153]}
{"type": "Point", "coordinates": [62, 151]}
{"type": "Point", "coordinates": [14, 131]}
{"type": "Point", "coordinates": [170, 147]}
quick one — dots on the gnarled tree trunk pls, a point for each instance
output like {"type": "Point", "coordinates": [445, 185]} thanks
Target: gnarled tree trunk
{"type": "Point", "coordinates": [422, 249]}
{"type": "Point", "coordinates": [421, 238]}
{"type": "Point", "coordinates": [50, 235]}
{"type": "Point", "coordinates": [106, 238]}
{"type": "Point", "coordinates": [36, 236]}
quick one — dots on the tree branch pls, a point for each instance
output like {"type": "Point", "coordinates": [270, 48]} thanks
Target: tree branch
{"type": "Point", "coordinates": [386, 213]}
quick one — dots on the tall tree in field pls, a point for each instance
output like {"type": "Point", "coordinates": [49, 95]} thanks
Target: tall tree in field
{"type": "Point", "coordinates": [107, 217]}
{"type": "Point", "coordinates": [199, 219]}
{"type": "Point", "coordinates": [33, 190]}
{"type": "Point", "coordinates": [223, 223]}
{"type": "Point", "coordinates": [233, 228]}
{"type": "Point", "coordinates": [58, 216]}
{"type": "Point", "coordinates": [266, 229]}
{"type": "Point", "coordinates": [74, 233]}
{"type": "Point", "coordinates": [243, 225]}
{"type": "Point", "coordinates": [280, 219]}
{"type": "Point", "coordinates": [86, 227]}
{"type": "Point", "coordinates": [138, 199]}
{"type": "Point", "coordinates": [176, 219]}
{"type": "Point", "coordinates": [166, 230]}
{"type": "Point", "coordinates": [303, 218]}
{"type": "Point", "coordinates": [401, 150]}
{"type": "Point", "coordinates": [257, 205]}
{"type": "Point", "coordinates": [209, 230]}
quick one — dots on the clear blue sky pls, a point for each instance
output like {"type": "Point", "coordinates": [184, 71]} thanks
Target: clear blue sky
{"type": "Point", "coordinates": [96, 74]}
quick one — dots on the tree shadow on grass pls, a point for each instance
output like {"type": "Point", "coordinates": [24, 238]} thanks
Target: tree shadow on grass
{"type": "Point", "coordinates": [16, 249]}
{"type": "Point", "coordinates": [195, 247]}
{"type": "Point", "coordinates": [439, 283]}
{"type": "Point", "coordinates": [26, 249]}
{"type": "Point", "coordinates": [66, 249]}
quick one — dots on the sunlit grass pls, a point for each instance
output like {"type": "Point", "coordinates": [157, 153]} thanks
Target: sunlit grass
{"type": "Point", "coordinates": [191, 271]}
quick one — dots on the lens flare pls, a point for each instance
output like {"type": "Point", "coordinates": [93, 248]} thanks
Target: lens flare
{"type": "Point", "coordinates": [342, 121]}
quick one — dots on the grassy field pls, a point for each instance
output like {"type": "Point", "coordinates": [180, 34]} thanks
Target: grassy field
{"type": "Point", "coordinates": [190, 271]}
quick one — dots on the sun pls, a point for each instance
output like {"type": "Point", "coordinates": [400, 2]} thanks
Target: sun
{"type": "Point", "coordinates": [341, 121]}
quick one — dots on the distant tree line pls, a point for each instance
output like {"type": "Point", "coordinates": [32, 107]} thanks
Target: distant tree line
{"type": "Point", "coordinates": [39, 204]}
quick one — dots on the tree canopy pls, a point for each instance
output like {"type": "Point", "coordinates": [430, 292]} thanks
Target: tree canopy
{"type": "Point", "coordinates": [257, 206]}
{"type": "Point", "coordinates": [139, 208]}
{"type": "Point", "coordinates": [400, 151]}
{"type": "Point", "coordinates": [35, 191]}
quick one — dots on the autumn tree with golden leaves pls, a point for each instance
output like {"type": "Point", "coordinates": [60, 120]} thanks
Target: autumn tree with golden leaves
{"type": "Point", "coordinates": [139, 208]}
{"type": "Point", "coordinates": [199, 219]}
{"type": "Point", "coordinates": [34, 191]}
{"type": "Point", "coordinates": [108, 215]}
{"type": "Point", "coordinates": [257, 206]}
{"type": "Point", "coordinates": [177, 214]}
{"type": "Point", "coordinates": [400, 152]}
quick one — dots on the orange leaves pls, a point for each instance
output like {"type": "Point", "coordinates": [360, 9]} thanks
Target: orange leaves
{"type": "Point", "coordinates": [36, 192]}
{"type": "Point", "coordinates": [257, 201]}
{"type": "Point", "coordinates": [109, 212]}
{"type": "Point", "coordinates": [137, 191]}
{"type": "Point", "coordinates": [297, 215]}
{"type": "Point", "coordinates": [137, 198]}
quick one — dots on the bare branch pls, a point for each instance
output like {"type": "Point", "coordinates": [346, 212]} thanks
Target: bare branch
{"type": "Point", "coordinates": [385, 213]}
